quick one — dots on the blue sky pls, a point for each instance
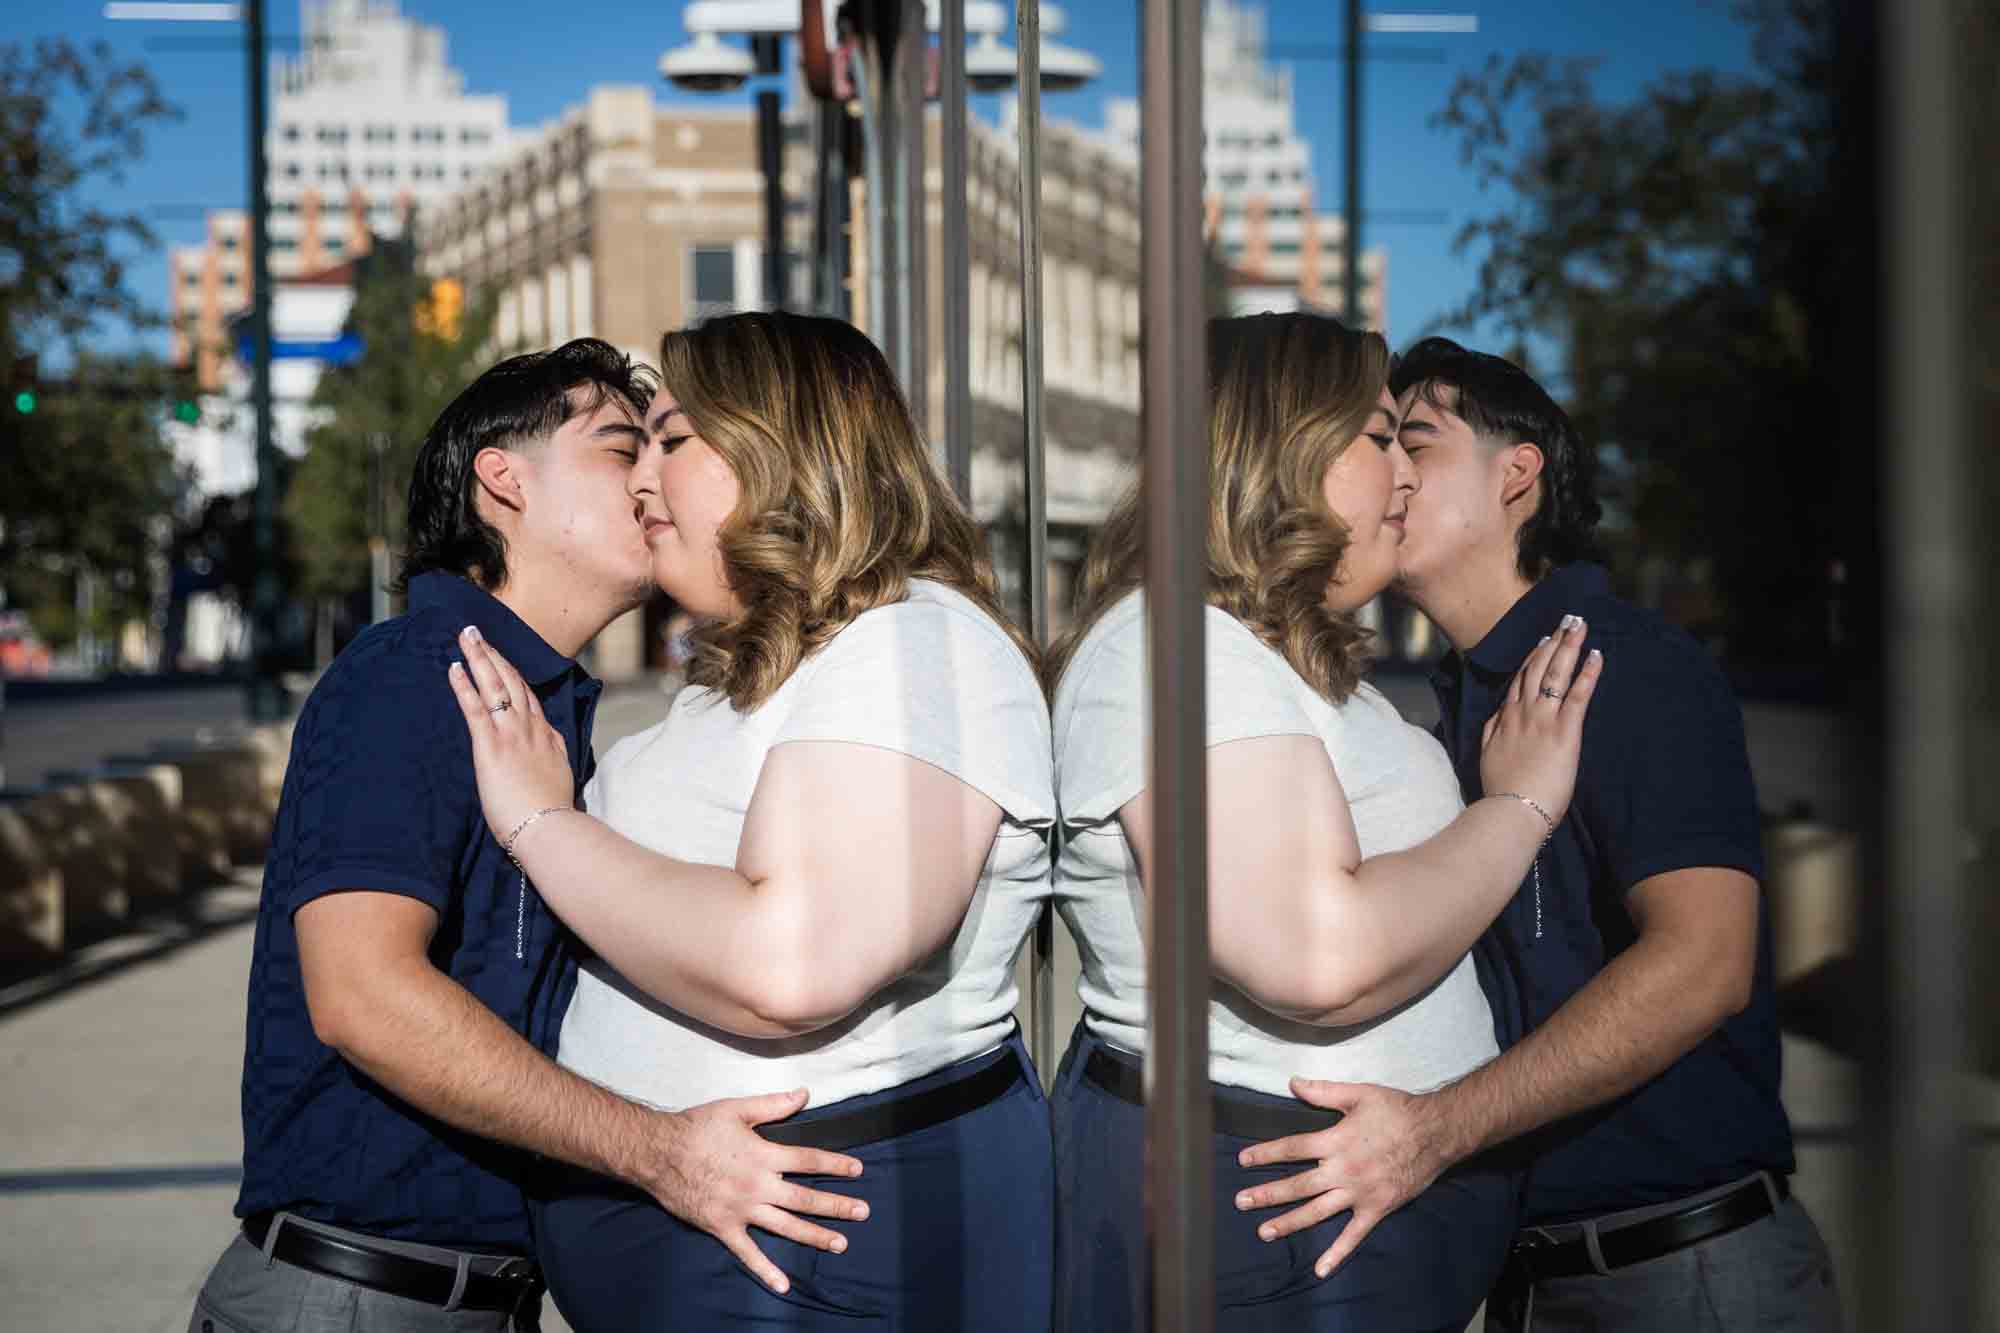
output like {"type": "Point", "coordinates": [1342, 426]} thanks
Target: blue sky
{"type": "Point", "coordinates": [544, 57]}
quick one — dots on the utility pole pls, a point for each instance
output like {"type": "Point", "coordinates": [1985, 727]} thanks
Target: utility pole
{"type": "Point", "coordinates": [266, 699]}
{"type": "Point", "coordinates": [1350, 262]}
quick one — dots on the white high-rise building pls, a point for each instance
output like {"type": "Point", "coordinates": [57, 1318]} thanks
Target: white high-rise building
{"type": "Point", "coordinates": [367, 124]}
{"type": "Point", "coordinates": [1259, 178]}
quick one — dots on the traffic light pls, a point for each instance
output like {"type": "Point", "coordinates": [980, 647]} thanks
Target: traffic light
{"type": "Point", "coordinates": [441, 314]}
{"type": "Point", "coordinates": [187, 411]}
{"type": "Point", "coordinates": [24, 402]}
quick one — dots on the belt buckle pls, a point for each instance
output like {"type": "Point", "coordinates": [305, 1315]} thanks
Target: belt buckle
{"type": "Point", "coordinates": [525, 1315]}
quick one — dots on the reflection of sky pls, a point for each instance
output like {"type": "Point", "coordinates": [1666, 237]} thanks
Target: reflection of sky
{"type": "Point", "coordinates": [544, 57]}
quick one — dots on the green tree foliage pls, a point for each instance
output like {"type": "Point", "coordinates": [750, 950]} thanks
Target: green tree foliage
{"type": "Point", "coordinates": [1679, 247]}
{"type": "Point", "coordinates": [86, 480]}
{"type": "Point", "coordinates": [386, 401]}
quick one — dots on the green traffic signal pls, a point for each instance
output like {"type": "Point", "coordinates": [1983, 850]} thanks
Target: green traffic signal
{"type": "Point", "coordinates": [188, 411]}
{"type": "Point", "coordinates": [24, 402]}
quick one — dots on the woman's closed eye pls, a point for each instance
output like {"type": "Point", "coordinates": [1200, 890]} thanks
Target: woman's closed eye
{"type": "Point", "coordinates": [1383, 442]}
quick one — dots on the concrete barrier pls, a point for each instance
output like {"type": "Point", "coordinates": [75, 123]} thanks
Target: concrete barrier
{"type": "Point", "coordinates": [200, 839]}
{"type": "Point", "coordinates": [153, 792]}
{"type": "Point", "coordinates": [89, 847]}
{"type": "Point", "coordinates": [31, 893]}
{"type": "Point", "coordinates": [1812, 879]}
{"type": "Point", "coordinates": [227, 782]}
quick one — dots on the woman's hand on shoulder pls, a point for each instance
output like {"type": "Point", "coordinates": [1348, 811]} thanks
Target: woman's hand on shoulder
{"type": "Point", "coordinates": [1532, 744]}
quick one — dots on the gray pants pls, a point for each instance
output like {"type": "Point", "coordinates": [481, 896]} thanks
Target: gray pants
{"type": "Point", "coordinates": [1773, 1276]}
{"type": "Point", "coordinates": [248, 1292]}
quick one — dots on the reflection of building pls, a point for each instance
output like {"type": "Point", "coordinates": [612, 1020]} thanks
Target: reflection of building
{"type": "Point", "coordinates": [623, 219]}
{"type": "Point", "coordinates": [366, 124]}
{"type": "Point", "coordinates": [1260, 181]}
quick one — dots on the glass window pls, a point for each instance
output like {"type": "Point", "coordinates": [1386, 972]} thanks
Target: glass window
{"type": "Point", "coordinates": [714, 281]}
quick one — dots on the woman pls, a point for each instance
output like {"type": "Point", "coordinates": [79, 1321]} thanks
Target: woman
{"type": "Point", "coordinates": [818, 869]}
{"type": "Point", "coordinates": [1346, 882]}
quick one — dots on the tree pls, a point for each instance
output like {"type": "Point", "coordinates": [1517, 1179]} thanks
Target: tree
{"type": "Point", "coordinates": [1680, 249]}
{"type": "Point", "coordinates": [86, 478]}
{"type": "Point", "coordinates": [374, 413]}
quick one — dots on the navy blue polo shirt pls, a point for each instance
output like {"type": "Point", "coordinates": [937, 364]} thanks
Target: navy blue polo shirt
{"type": "Point", "coordinates": [380, 795]}
{"type": "Point", "coordinates": [1664, 785]}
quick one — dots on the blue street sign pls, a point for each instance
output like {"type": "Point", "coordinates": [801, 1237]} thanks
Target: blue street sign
{"type": "Point", "coordinates": [342, 351]}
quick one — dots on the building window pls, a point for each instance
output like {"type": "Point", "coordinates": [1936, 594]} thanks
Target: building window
{"type": "Point", "coordinates": [289, 133]}
{"type": "Point", "coordinates": [714, 273]}
{"type": "Point", "coordinates": [278, 243]}
{"type": "Point", "coordinates": [335, 243]}
{"type": "Point", "coordinates": [1284, 247]}
{"type": "Point", "coordinates": [292, 171]}
{"type": "Point", "coordinates": [469, 135]}
{"type": "Point", "coordinates": [332, 134]}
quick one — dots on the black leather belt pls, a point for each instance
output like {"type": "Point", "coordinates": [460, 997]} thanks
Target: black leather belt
{"type": "Point", "coordinates": [1538, 1258]}
{"type": "Point", "coordinates": [1124, 1078]}
{"type": "Point", "coordinates": [515, 1290]}
{"type": "Point", "coordinates": [901, 1115]}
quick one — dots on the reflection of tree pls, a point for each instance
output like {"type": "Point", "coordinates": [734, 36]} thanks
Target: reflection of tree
{"type": "Point", "coordinates": [372, 416]}
{"type": "Point", "coordinates": [1681, 247]}
{"type": "Point", "coordinates": [86, 477]}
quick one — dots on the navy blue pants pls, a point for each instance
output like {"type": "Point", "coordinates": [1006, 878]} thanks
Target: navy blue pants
{"type": "Point", "coordinates": [1425, 1267]}
{"type": "Point", "coordinates": [960, 1235]}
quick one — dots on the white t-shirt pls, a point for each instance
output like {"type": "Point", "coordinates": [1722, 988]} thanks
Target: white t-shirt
{"type": "Point", "coordinates": [932, 677]}
{"type": "Point", "coordinates": [1399, 785]}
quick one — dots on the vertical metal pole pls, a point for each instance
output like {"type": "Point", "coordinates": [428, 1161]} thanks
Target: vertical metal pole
{"type": "Point", "coordinates": [957, 252]}
{"type": "Point", "coordinates": [1928, 1221]}
{"type": "Point", "coordinates": [867, 74]}
{"type": "Point", "coordinates": [1034, 490]}
{"type": "Point", "coordinates": [770, 155]}
{"type": "Point", "coordinates": [913, 307]}
{"type": "Point", "coordinates": [1178, 1146]}
{"type": "Point", "coordinates": [266, 702]}
{"type": "Point", "coordinates": [1350, 262]}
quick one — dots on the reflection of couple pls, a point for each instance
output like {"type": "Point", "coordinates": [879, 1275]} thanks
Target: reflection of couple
{"type": "Point", "coordinates": [818, 869]}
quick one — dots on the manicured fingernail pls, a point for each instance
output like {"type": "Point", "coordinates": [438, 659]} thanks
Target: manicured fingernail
{"type": "Point", "coordinates": [1545, 639]}
{"type": "Point", "coordinates": [1321, 1270]}
{"type": "Point", "coordinates": [1243, 1200]}
{"type": "Point", "coordinates": [471, 633]}
{"type": "Point", "coordinates": [1267, 1233]}
{"type": "Point", "coordinates": [1596, 655]}
{"type": "Point", "coordinates": [840, 1244]}
{"type": "Point", "coordinates": [861, 1212]}
{"type": "Point", "coordinates": [454, 670]}
{"type": "Point", "coordinates": [782, 1286]}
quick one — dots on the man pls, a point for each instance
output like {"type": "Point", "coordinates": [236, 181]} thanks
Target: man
{"type": "Point", "coordinates": [1631, 976]}
{"type": "Point", "coordinates": [407, 984]}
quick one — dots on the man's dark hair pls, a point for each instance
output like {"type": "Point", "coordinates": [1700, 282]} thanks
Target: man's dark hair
{"type": "Point", "coordinates": [521, 401]}
{"type": "Point", "coordinates": [1500, 401]}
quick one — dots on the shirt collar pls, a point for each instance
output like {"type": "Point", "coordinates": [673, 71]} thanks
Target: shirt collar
{"type": "Point", "coordinates": [1508, 643]}
{"type": "Point", "coordinates": [466, 603]}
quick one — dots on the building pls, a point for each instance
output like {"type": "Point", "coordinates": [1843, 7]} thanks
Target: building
{"type": "Point", "coordinates": [367, 124]}
{"type": "Point", "coordinates": [624, 219]}
{"type": "Point", "coordinates": [1259, 179]}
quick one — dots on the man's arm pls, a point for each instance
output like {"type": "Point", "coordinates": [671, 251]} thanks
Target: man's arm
{"type": "Point", "coordinates": [376, 999]}
{"type": "Point", "coordinates": [1688, 971]}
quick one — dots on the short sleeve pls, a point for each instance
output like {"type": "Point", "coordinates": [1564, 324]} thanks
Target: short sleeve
{"type": "Point", "coordinates": [381, 788]}
{"type": "Point", "coordinates": [940, 683]}
{"type": "Point", "coordinates": [1665, 781]}
{"type": "Point", "coordinates": [1102, 707]}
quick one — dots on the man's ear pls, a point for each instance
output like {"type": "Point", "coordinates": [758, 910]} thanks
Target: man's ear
{"type": "Point", "coordinates": [499, 474]}
{"type": "Point", "coordinates": [1521, 469]}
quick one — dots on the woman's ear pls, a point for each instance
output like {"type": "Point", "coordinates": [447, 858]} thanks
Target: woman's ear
{"type": "Point", "coordinates": [499, 474]}
{"type": "Point", "coordinates": [1521, 469]}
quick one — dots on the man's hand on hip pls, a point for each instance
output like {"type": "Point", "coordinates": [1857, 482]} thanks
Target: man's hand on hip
{"type": "Point", "coordinates": [717, 1173]}
{"type": "Point", "coordinates": [1386, 1149]}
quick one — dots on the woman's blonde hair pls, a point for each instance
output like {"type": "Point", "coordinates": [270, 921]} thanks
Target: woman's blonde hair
{"type": "Point", "coordinates": [1287, 394]}
{"type": "Point", "coordinates": [841, 503]}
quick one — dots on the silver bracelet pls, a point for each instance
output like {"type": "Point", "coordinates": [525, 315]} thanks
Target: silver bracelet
{"type": "Point", "coordinates": [507, 843]}
{"type": "Point", "coordinates": [1536, 806]}
{"type": "Point", "coordinates": [1532, 804]}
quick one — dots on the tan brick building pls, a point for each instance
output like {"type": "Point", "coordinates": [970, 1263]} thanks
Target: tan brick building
{"type": "Point", "coordinates": [624, 219]}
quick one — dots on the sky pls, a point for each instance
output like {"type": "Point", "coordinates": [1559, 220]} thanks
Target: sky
{"type": "Point", "coordinates": [545, 58]}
